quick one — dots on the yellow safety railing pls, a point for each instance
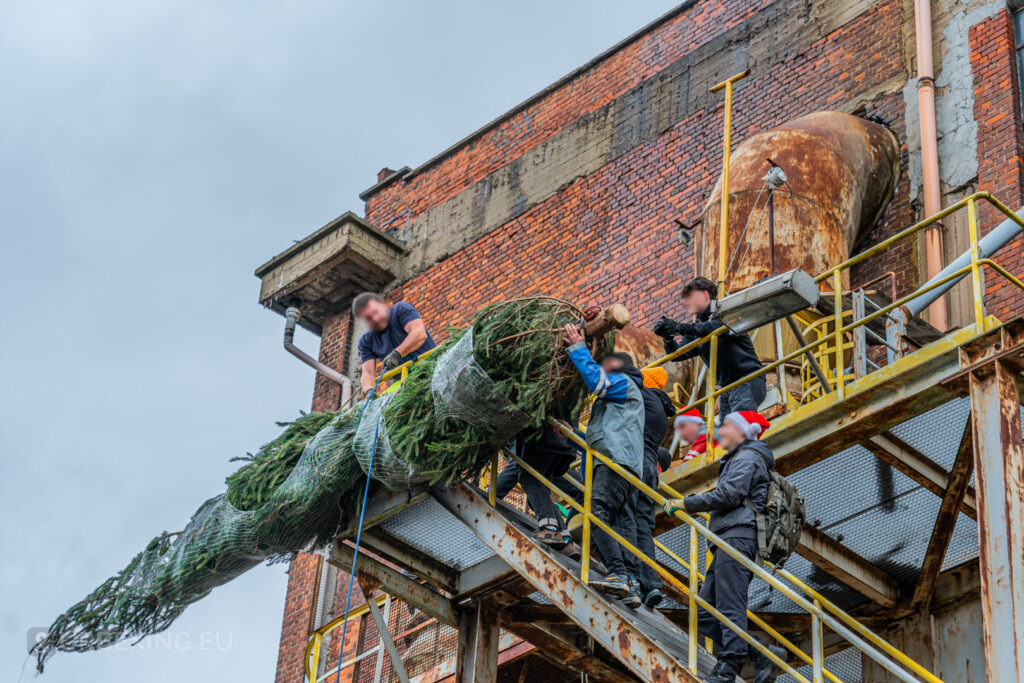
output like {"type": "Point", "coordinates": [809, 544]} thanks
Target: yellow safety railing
{"type": "Point", "coordinates": [311, 660]}
{"type": "Point", "coordinates": [836, 336]}
{"type": "Point", "coordinates": [822, 611]}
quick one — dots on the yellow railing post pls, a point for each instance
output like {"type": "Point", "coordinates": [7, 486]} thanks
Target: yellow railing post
{"type": "Point", "coordinates": [817, 651]}
{"type": "Point", "coordinates": [723, 235]}
{"type": "Point", "coordinates": [588, 489]}
{"type": "Point", "coordinates": [979, 294]}
{"type": "Point", "coordinates": [837, 284]}
{"type": "Point", "coordinates": [492, 490]}
{"type": "Point", "coordinates": [692, 616]}
{"type": "Point", "coordinates": [712, 369]}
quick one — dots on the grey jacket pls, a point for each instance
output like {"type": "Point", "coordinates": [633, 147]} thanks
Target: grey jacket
{"type": "Point", "coordinates": [617, 429]}
{"type": "Point", "coordinates": [743, 473]}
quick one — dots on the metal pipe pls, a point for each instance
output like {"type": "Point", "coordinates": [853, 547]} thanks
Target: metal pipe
{"type": "Point", "coordinates": [988, 245]}
{"type": "Point", "coordinates": [929, 150]}
{"type": "Point", "coordinates": [291, 318]}
{"type": "Point", "coordinates": [723, 235]}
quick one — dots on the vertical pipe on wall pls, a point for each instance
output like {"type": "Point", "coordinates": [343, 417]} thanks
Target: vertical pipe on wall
{"type": "Point", "coordinates": [929, 151]}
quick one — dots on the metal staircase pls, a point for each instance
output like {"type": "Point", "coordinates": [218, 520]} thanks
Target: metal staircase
{"type": "Point", "coordinates": [470, 561]}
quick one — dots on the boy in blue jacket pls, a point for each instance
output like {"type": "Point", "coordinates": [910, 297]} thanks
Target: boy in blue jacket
{"type": "Point", "coordinates": [616, 428]}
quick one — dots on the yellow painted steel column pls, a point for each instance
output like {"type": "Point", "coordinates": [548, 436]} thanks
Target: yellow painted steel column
{"type": "Point", "coordinates": [979, 293]}
{"type": "Point", "coordinates": [817, 649]}
{"type": "Point", "coordinates": [723, 233]}
{"type": "Point", "coordinates": [837, 284]}
{"type": "Point", "coordinates": [588, 490]}
{"type": "Point", "coordinates": [692, 617]}
{"type": "Point", "coordinates": [710, 410]}
{"type": "Point", "coordinates": [492, 491]}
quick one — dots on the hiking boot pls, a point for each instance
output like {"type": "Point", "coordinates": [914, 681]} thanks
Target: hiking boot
{"type": "Point", "coordinates": [572, 551]}
{"type": "Point", "coordinates": [725, 671]}
{"type": "Point", "coordinates": [765, 670]}
{"type": "Point", "coordinates": [633, 599]}
{"type": "Point", "coordinates": [613, 584]}
{"type": "Point", "coordinates": [654, 598]}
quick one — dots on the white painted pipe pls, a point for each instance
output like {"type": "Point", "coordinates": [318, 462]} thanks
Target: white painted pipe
{"type": "Point", "coordinates": [988, 245]}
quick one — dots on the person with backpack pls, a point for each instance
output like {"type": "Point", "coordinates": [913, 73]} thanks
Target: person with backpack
{"type": "Point", "coordinates": [744, 478]}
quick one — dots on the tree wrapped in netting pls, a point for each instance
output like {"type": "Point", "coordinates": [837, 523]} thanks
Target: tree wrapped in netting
{"type": "Point", "coordinates": [472, 395]}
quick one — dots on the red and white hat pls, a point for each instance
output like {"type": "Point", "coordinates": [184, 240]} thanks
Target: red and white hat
{"type": "Point", "coordinates": [750, 422]}
{"type": "Point", "coordinates": [690, 416]}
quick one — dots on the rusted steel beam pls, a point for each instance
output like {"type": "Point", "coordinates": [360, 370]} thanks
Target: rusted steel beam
{"type": "Point", "coordinates": [945, 522]}
{"type": "Point", "coordinates": [366, 587]}
{"type": "Point", "coordinates": [561, 649]}
{"type": "Point", "coordinates": [484, 576]}
{"type": "Point", "coordinates": [477, 657]}
{"type": "Point", "coordinates": [383, 505]}
{"type": "Point", "coordinates": [833, 557]}
{"type": "Point", "coordinates": [409, 558]}
{"type": "Point", "coordinates": [608, 622]}
{"type": "Point", "coordinates": [391, 581]}
{"type": "Point", "coordinates": [999, 471]}
{"type": "Point", "coordinates": [891, 449]}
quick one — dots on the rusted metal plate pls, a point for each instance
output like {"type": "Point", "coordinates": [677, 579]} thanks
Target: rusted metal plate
{"type": "Point", "coordinates": [999, 471]}
{"type": "Point", "coordinates": [607, 622]}
{"type": "Point", "coordinates": [842, 170]}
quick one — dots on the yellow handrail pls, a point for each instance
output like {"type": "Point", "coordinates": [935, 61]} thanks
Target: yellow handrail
{"type": "Point", "coordinates": [853, 636]}
{"type": "Point", "coordinates": [835, 274]}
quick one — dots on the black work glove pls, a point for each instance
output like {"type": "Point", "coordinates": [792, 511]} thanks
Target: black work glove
{"type": "Point", "coordinates": [392, 360]}
{"type": "Point", "coordinates": [670, 344]}
{"type": "Point", "coordinates": [665, 327]}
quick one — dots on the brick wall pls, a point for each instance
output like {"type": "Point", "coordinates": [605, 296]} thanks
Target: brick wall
{"type": "Point", "coordinates": [299, 601]}
{"type": "Point", "coordinates": [1000, 153]}
{"type": "Point", "coordinates": [610, 235]}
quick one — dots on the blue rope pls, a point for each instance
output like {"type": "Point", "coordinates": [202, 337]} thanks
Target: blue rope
{"type": "Point", "coordinates": [362, 512]}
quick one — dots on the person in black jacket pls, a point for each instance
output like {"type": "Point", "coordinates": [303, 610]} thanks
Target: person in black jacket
{"type": "Point", "coordinates": [736, 355]}
{"type": "Point", "coordinates": [743, 478]}
{"type": "Point", "coordinates": [657, 409]}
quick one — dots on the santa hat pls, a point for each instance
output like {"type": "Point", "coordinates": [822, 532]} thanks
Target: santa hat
{"type": "Point", "coordinates": [690, 416]}
{"type": "Point", "coordinates": [656, 378]}
{"type": "Point", "coordinates": [750, 422]}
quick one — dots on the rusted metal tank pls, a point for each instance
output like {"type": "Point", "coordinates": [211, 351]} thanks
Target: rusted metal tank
{"type": "Point", "coordinates": [841, 170]}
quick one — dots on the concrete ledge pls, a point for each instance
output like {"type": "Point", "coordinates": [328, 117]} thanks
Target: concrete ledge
{"type": "Point", "coordinates": [327, 269]}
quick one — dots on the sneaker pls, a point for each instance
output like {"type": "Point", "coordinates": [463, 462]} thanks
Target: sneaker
{"type": "Point", "coordinates": [633, 599]}
{"type": "Point", "coordinates": [725, 671]}
{"type": "Point", "coordinates": [654, 598]}
{"type": "Point", "coordinates": [553, 538]}
{"type": "Point", "coordinates": [572, 551]}
{"type": "Point", "coordinates": [765, 670]}
{"type": "Point", "coordinates": [613, 585]}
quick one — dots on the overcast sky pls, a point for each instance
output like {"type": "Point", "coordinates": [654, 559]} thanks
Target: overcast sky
{"type": "Point", "coordinates": [153, 154]}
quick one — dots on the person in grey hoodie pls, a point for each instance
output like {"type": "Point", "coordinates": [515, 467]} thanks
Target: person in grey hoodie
{"type": "Point", "coordinates": [743, 476]}
{"type": "Point", "coordinates": [616, 429]}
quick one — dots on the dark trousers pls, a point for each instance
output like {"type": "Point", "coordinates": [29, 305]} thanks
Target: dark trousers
{"type": "Point", "coordinates": [747, 396]}
{"type": "Point", "coordinates": [614, 502]}
{"type": "Point", "coordinates": [725, 587]}
{"type": "Point", "coordinates": [539, 496]}
{"type": "Point", "coordinates": [507, 479]}
{"type": "Point", "coordinates": [645, 513]}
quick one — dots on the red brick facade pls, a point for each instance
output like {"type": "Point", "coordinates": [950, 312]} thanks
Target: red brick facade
{"type": "Point", "coordinates": [609, 234]}
{"type": "Point", "coordinates": [1000, 146]}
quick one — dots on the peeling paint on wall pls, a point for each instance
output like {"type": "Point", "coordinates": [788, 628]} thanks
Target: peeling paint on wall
{"type": "Point", "coordinates": [954, 105]}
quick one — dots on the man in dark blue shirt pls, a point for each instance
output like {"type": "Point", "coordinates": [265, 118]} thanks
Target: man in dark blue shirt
{"type": "Point", "coordinates": [396, 335]}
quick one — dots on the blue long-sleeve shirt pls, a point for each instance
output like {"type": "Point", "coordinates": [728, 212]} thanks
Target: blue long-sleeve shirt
{"type": "Point", "coordinates": [605, 386]}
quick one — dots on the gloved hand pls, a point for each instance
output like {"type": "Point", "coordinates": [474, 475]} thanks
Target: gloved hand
{"type": "Point", "coordinates": [670, 344]}
{"type": "Point", "coordinates": [674, 505]}
{"type": "Point", "coordinates": [392, 360]}
{"type": "Point", "coordinates": [665, 327]}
